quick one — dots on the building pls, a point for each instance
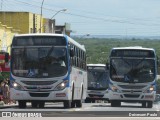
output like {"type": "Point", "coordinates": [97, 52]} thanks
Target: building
{"type": "Point", "coordinates": [49, 25]}
{"type": "Point", "coordinates": [25, 22]}
{"type": "Point", "coordinates": [17, 23]}
{"type": "Point", "coordinates": [6, 35]}
{"type": "Point", "coordinates": [28, 22]}
{"type": "Point", "coordinates": [63, 29]}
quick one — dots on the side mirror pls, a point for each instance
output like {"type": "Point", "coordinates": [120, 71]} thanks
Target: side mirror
{"type": "Point", "coordinates": [71, 52]}
{"type": "Point", "coordinates": [6, 57]}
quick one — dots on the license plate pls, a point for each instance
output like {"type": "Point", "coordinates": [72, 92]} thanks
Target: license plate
{"type": "Point", "coordinates": [95, 96]}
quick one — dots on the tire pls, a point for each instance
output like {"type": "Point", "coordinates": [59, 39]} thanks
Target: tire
{"type": "Point", "coordinates": [150, 104]}
{"type": "Point", "coordinates": [73, 104]}
{"type": "Point", "coordinates": [78, 103]}
{"type": "Point", "coordinates": [67, 104]}
{"type": "Point", "coordinates": [34, 104]}
{"type": "Point", "coordinates": [115, 103]}
{"type": "Point", "coordinates": [143, 104]}
{"type": "Point", "coordinates": [93, 101]}
{"type": "Point", "coordinates": [22, 104]}
{"type": "Point", "coordinates": [70, 103]}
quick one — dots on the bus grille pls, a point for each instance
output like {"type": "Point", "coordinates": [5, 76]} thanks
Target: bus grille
{"type": "Point", "coordinates": [39, 94]}
{"type": "Point", "coordinates": [38, 82]}
{"type": "Point", "coordinates": [131, 96]}
{"type": "Point", "coordinates": [131, 87]}
{"type": "Point", "coordinates": [93, 95]}
{"type": "Point", "coordinates": [132, 91]}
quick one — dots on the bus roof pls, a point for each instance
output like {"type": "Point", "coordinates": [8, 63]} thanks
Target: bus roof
{"type": "Point", "coordinates": [76, 43]}
{"type": "Point", "coordinates": [132, 48]}
{"type": "Point", "coordinates": [98, 65]}
{"type": "Point", "coordinates": [51, 34]}
{"type": "Point", "coordinates": [38, 34]}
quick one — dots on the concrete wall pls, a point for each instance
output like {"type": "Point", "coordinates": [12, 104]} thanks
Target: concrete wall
{"type": "Point", "coordinates": [49, 25]}
{"type": "Point", "coordinates": [6, 35]}
{"type": "Point", "coordinates": [17, 20]}
{"type": "Point", "coordinates": [26, 22]}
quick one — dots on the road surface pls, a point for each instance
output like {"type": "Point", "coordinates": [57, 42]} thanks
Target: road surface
{"type": "Point", "coordinates": [96, 110]}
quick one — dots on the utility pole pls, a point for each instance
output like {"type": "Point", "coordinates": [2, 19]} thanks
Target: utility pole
{"type": "Point", "coordinates": [50, 18]}
{"type": "Point", "coordinates": [1, 4]}
{"type": "Point", "coordinates": [41, 15]}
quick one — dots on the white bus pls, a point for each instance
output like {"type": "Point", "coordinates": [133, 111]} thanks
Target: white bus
{"type": "Point", "coordinates": [133, 74]}
{"type": "Point", "coordinates": [97, 83]}
{"type": "Point", "coordinates": [47, 68]}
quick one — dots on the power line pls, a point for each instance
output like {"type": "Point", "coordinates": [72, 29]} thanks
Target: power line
{"type": "Point", "coordinates": [93, 18]}
{"type": "Point", "coordinates": [87, 17]}
{"type": "Point", "coordinates": [1, 4]}
{"type": "Point", "coordinates": [41, 15]}
{"type": "Point", "coordinates": [20, 7]}
{"type": "Point", "coordinates": [93, 13]}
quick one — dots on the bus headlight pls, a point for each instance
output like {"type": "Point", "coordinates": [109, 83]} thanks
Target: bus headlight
{"type": "Point", "coordinates": [62, 85]}
{"type": "Point", "coordinates": [17, 86]}
{"type": "Point", "coordinates": [115, 89]}
{"type": "Point", "coordinates": [150, 89]}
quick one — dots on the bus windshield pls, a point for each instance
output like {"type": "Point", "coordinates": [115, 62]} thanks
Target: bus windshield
{"type": "Point", "coordinates": [97, 78]}
{"type": "Point", "coordinates": [33, 62]}
{"type": "Point", "coordinates": [132, 70]}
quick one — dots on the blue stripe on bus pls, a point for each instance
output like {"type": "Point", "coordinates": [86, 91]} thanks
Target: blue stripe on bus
{"type": "Point", "coordinates": [109, 88]}
{"type": "Point", "coordinates": [11, 78]}
{"type": "Point", "coordinates": [67, 78]}
{"type": "Point", "coordinates": [69, 66]}
{"type": "Point", "coordinates": [110, 82]}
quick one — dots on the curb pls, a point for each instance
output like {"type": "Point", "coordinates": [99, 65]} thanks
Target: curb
{"type": "Point", "coordinates": [7, 106]}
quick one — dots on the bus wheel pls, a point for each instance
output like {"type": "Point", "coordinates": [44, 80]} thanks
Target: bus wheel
{"type": "Point", "coordinates": [34, 104]}
{"type": "Point", "coordinates": [93, 101]}
{"type": "Point", "coordinates": [150, 104]}
{"type": "Point", "coordinates": [41, 104]}
{"type": "Point", "coordinates": [73, 104]}
{"type": "Point", "coordinates": [115, 103]}
{"type": "Point", "coordinates": [143, 104]}
{"type": "Point", "coordinates": [22, 104]}
{"type": "Point", "coordinates": [67, 104]}
{"type": "Point", "coordinates": [78, 103]}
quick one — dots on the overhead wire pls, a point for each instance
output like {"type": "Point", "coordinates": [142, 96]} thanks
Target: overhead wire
{"type": "Point", "coordinates": [93, 13]}
{"type": "Point", "coordinates": [90, 17]}
{"type": "Point", "coordinates": [94, 19]}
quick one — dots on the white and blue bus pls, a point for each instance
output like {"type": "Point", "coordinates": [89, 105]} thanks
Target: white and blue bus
{"type": "Point", "coordinates": [133, 75]}
{"type": "Point", "coordinates": [47, 68]}
{"type": "Point", "coordinates": [97, 83]}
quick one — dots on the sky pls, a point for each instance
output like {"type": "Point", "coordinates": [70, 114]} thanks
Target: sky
{"type": "Point", "coordinates": [97, 17]}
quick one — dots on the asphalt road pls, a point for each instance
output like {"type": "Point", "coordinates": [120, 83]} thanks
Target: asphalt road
{"type": "Point", "coordinates": [95, 110]}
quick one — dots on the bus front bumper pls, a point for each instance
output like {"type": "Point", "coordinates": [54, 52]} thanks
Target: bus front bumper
{"type": "Point", "coordinates": [34, 95]}
{"type": "Point", "coordinates": [132, 96]}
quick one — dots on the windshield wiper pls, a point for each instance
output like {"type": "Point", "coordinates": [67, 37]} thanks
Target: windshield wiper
{"type": "Point", "coordinates": [132, 64]}
{"type": "Point", "coordinates": [50, 51]}
{"type": "Point", "coordinates": [134, 70]}
{"type": "Point", "coordinates": [46, 58]}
